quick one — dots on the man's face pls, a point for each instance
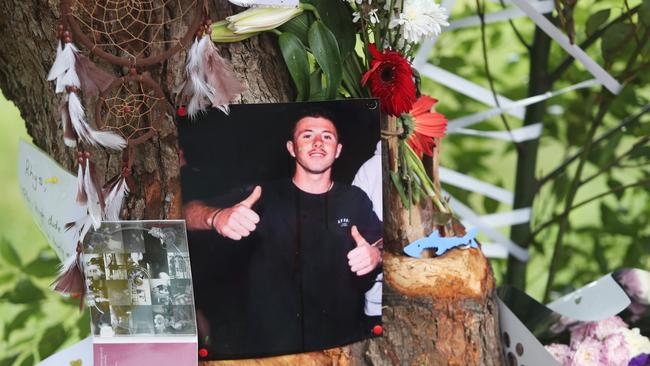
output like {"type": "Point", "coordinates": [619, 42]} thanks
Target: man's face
{"type": "Point", "coordinates": [315, 144]}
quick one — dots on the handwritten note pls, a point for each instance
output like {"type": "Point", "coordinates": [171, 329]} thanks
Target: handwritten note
{"type": "Point", "coordinates": [49, 191]}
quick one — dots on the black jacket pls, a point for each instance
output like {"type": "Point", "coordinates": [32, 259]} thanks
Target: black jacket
{"type": "Point", "coordinates": [298, 291]}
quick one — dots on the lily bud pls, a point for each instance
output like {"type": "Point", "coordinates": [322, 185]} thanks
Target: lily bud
{"type": "Point", "coordinates": [222, 34]}
{"type": "Point", "coordinates": [261, 19]}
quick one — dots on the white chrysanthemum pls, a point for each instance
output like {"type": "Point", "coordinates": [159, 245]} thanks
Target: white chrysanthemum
{"type": "Point", "coordinates": [636, 342]}
{"type": "Point", "coordinates": [420, 19]}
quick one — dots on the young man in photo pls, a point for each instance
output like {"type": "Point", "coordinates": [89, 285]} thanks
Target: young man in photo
{"type": "Point", "coordinates": [310, 254]}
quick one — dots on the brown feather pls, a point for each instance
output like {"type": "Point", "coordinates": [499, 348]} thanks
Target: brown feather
{"type": "Point", "coordinates": [220, 75]}
{"type": "Point", "coordinates": [93, 79]}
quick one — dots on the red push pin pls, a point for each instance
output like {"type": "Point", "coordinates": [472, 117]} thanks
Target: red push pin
{"type": "Point", "coordinates": [377, 329]}
{"type": "Point", "coordinates": [181, 111]}
{"type": "Point", "coordinates": [203, 352]}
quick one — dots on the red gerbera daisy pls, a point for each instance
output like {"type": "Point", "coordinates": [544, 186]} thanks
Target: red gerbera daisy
{"type": "Point", "coordinates": [391, 80]}
{"type": "Point", "coordinates": [427, 126]}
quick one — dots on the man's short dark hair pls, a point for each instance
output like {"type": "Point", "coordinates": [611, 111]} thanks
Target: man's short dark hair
{"type": "Point", "coordinates": [314, 113]}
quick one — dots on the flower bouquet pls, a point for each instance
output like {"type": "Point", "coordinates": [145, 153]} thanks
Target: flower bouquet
{"type": "Point", "coordinates": [619, 306]}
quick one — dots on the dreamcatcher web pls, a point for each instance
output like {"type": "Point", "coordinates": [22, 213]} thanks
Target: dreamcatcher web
{"type": "Point", "coordinates": [131, 31]}
{"type": "Point", "coordinates": [132, 111]}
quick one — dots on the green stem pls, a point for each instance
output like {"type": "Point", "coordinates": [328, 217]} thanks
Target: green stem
{"type": "Point", "coordinates": [311, 8]}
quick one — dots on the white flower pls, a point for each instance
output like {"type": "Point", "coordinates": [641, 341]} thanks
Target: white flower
{"type": "Point", "coordinates": [356, 16]}
{"type": "Point", "coordinates": [260, 19]}
{"type": "Point", "coordinates": [374, 19]}
{"type": "Point", "coordinates": [420, 19]}
{"type": "Point", "coordinates": [636, 343]}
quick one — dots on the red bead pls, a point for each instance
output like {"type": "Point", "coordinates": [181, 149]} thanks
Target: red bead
{"type": "Point", "coordinates": [203, 352]}
{"type": "Point", "coordinates": [181, 111]}
{"type": "Point", "coordinates": [133, 71]}
{"type": "Point", "coordinates": [377, 330]}
{"type": "Point", "coordinates": [127, 109]}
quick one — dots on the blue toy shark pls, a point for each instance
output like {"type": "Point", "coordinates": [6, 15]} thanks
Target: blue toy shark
{"type": "Point", "coordinates": [442, 244]}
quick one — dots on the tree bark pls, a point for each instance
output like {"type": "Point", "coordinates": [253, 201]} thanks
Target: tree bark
{"type": "Point", "coordinates": [436, 311]}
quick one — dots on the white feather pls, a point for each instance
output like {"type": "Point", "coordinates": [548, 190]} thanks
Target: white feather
{"type": "Point", "coordinates": [196, 72]}
{"type": "Point", "coordinates": [114, 200]}
{"type": "Point", "coordinates": [70, 78]}
{"type": "Point", "coordinates": [65, 59]}
{"type": "Point", "coordinates": [64, 116]}
{"type": "Point", "coordinates": [107, 139]}
{"type": "Point", "coordinates": [78, 117]}
{"type": "Point", "coordinates": [94, 208]}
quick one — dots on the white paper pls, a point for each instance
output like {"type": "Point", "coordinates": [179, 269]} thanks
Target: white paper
{"type": "Point", "coordinates": [50, 193]}
{"type": "Point", "coordinates": [79, 354]}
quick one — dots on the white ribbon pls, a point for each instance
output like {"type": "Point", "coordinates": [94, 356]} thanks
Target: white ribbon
{"type": "Point", "coordinates": [472, 119]}
{"type": "Point", "coordinates": [475, 185]}
{"type": "Point", "coordinates": [470, 216]}
{"type": "Point", "coordinates": [543, 7]}
{"type": "Point", "coordinates": [598, 72]}
{"type": "Point", "coordinates": [468, 88]}
{"type": "Point", "coordinates": [525, 133]}
{"type": "Point", "coordinates": [509, 218]}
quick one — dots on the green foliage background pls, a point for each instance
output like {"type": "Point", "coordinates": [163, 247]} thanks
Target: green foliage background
{"type": "Point", "coordinates": [603, 235]}
{"type": "Point", "coordinates": [34, 321]}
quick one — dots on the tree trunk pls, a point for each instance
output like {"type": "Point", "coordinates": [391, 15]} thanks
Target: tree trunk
{"type": "Point", "coordinates": [436, 311]}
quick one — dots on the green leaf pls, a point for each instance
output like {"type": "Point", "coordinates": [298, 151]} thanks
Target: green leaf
{"type": "Point", "coordinates": [326, 52]}
{"type": "Point", "coordinates": [613, 183]}
{"type": "Point", "coordinates": [19, 321]}
{"type": "Point", "coordinates": [599, 254]}
{"type": "Point", "coordinates": [315, 82]}
{"type": "Point", "coordinates": [8, 361]}
{"type": "Point", "coordinates": [83, 324]}
{"type": "Point", "coordinates": [295, 57]}
{"type": "Point", "coordinates": [299, 26]}
{"type": "Point", "coordinates": [43, 267]}
{"type": "Point", "coordinates": [28, 361]}
{"type": "Point", "coordinates": [338, 18]}
{"type": "Point", "coordinates": [9, 254]}
{"type": "Point", "coordinates": [51, 340]}
{"type": "Point", "coordinates": [644, 13]}
{"type": "Point", "coordinates": [614, 37]}
{"type": "Point", "coordinates": [490, 205]}
{"type": "Point", "coordinates": [596, 20]}
{"type": "Point", "coordinates": [24, 292]}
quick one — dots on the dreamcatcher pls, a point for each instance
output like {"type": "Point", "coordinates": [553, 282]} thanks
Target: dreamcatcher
{"type": "Point", "coordinates": [129, 109]}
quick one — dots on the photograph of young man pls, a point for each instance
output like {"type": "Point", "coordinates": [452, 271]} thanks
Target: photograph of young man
{"type": "Point", "coordinates": [311, 240]}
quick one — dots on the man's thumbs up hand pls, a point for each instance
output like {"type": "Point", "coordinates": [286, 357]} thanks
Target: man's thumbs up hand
{"type": "Point", "coordinates": [364, 258]}
{"type": "Point", "coordinates": [252, 198]}
{"type": "Point", "coordinates": [240, 220]}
